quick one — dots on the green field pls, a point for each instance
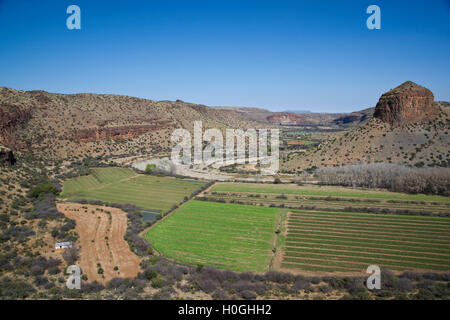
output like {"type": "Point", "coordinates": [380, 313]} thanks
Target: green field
{"type": "Point", "coordinates": [330, 198]}
{"type": "Point", "coordinates": [313, 190]}
{"type": "Point", "coordinates": [122, 185]}
{"type": "Point", "coordinates": [230, 236]}
{"type": "Point", "coordinates": [336, 241]}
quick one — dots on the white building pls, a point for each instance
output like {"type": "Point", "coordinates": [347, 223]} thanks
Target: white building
{"type": "Point", "coordinates": [63, 245]}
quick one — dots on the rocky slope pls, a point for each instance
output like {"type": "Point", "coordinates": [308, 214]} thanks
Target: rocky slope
{"type": "Point", "coordinates": [354, 118]}
{"type": "Point", "coordinates": [407, 128]}
{"type": "Point", "coordinates": [59, 126]}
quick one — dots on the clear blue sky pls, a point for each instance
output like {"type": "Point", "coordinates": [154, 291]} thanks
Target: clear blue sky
{"type": "Point", "coordinates": [314, 55]}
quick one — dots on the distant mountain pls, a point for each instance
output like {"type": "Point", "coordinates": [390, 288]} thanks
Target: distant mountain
{"type": "Point", "coordinates": [297, 111]}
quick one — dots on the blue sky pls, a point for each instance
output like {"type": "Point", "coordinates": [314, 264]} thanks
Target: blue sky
{"type": "Point", "coordinates": [281, 55]}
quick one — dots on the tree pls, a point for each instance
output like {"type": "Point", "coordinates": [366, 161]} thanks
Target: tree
{"type": "Point", "coordinates": [70, 255]}
{"type": "Point", "coordinates": [150, 168]}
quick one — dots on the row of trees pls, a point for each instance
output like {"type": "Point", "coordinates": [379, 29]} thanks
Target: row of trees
{"type": "Point", "coordinates": [393, 177]}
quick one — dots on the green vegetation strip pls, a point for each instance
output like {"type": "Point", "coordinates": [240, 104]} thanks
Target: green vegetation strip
{"type": "Point", "coordinates": [322, 191]}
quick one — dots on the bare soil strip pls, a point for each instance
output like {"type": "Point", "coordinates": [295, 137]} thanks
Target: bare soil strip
{"type": "Point", "coordinates": [364, 256]}
{"type": "Point", "coordinates": [353, 262]}
{"type": "Point", "coordinates": [324, 247]}
{"type": "Point", "coordinates": [102, 241]}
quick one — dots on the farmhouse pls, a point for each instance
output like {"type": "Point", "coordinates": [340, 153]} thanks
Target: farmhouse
{"type": "Point", "coordinates": [63, 245]}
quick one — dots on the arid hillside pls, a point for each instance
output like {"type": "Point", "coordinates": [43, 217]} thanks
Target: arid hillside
{"type": "Point", "coordinates": [408, 127]}
{"type": "Point", "coordinates": [60, 126]}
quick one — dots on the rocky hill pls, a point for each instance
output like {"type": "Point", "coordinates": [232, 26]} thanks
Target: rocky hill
{"type": "Point", "coordinates": [408, 127]}
{"type": "Point", "coordinates": [355, 118]}
{"type": "Point", "coordinates": [299, 118]}
{"type": "Point", "coordinates": [60, 126]}
{"type": "Point", "coordinates": [407, 103]}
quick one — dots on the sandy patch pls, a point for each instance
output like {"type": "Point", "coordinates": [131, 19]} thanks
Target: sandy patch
{"type": "Point", "coordinates": [101, 241]}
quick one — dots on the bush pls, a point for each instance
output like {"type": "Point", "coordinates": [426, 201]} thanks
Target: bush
{"type": "Point", "coordinates": [43, 189]}
{"type": "Point", "coordinates": [279, 277]}
{"type": "Point", "coordinates": [248, 295]}
{"type": "Point", "coordinates": [37, 270]}
{"type": "Point", "coordinates": [150, 274]}
{"type": "Point", "coordinates": [158, 282]}
{"type": "Point", "coordinates": [15, 289]}
{"type": "Point", "coordinates": [301, 284]}
{"type": "Point", "coordinates": [70, 255]}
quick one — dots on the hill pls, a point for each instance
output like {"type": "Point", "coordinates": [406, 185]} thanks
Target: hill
{"type": "Point", "coordinates": [71, 126]}
{"type": "Point", "coordinates": [408, 128]}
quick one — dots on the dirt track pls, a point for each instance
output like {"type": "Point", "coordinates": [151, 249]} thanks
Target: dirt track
{"type": "Point", "coordinates": [108, 248]}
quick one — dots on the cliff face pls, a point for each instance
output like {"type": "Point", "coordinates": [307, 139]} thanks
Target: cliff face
{"type": "Point", "coordinates": [406, 103]}
{"type": "Point", "coordinates": [11, 117]}
{"type": "Point", "coordinates": [286, 119]}
{"type": "Point", "coordinates": [117, 133]}
{"type": "Point", "coordinates": [6, 156]}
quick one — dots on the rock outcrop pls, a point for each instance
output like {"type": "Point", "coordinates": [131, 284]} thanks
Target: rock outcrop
{"type": "Point", "coordinates": [11, 117]}
{"type": "Point", "coordinates": [406, 103]}
{"type": "Point", "coordinates": [6, 156]}
{"type": "Point", "coordinates": [117, 133]}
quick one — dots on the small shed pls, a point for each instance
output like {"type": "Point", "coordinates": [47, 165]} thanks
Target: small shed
{"type": "Point", "coordinates": [63, 245]}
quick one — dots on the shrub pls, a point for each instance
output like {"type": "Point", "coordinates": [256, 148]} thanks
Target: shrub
{"type": "Point", "coordinates": [279, 277]}
{"type": "Point", "coordinates": [158, 282]}
{"type": "Point", "coordinates": [150, 274]}
{"type": "Point", "coordinates": [42, 189]}
{"type": "Point", "coordinates": [70, 255]}
{"type": "Point", "coordinates": [248, 295]}
{"type": "Point", "coordinates": [15, 289]}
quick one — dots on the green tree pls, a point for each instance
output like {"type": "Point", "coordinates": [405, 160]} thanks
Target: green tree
{"type": "Point", "coordinates": [150, 167]}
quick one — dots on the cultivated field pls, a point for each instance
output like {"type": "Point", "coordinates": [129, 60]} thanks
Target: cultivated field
{"type": "Point", "coordinates": [334, 229]}
{"type": "Point", "coordinates": [329, 198]}
{"type": "Point", "coordinates": [336, 241]}
{"type": "Point", "coordinates": [121, 185]}
{"type": "Point", "coordinates": [230, 236]}
{"type": "Point", "coordinates": [314, 190]}
{"type": "Point", "coordinates": [104, 253]}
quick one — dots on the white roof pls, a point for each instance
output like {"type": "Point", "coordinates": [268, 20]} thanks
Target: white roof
{"type": "Point", "coordinates": [68, 243]}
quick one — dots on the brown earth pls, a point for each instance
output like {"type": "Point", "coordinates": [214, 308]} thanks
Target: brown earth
{"type": "Point", "coordinates": [118, 133]}
{"type": "Point", "coordinates": [70, 126]}
{"type": "Point", "coordinates": [101, 241]}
